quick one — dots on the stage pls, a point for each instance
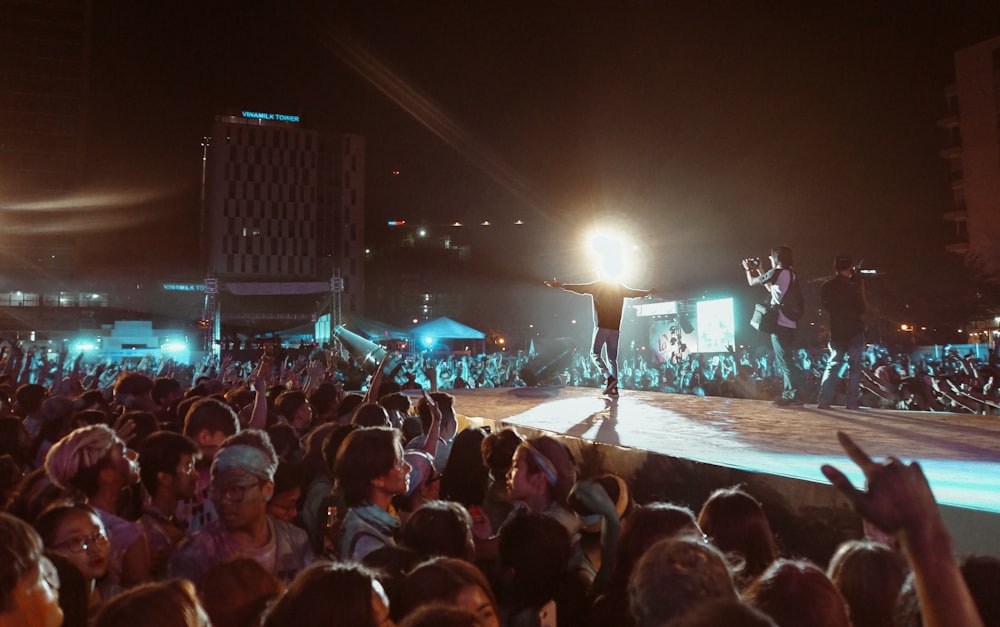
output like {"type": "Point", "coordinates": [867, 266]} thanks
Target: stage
{"type": "Point", "coordinates": [679, 448]}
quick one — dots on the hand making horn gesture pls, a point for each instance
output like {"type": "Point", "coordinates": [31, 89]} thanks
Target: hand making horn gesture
{"type": "Point", "coordinates": [898, 499]}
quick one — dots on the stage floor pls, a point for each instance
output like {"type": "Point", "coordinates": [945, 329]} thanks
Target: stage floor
{"type": "Point", "coordinates": [960, 453]}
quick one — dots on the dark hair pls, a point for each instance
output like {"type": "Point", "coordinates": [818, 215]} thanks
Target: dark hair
{"type": "Point", "coordinates": [441, 579]}
{"type": "Point", "coordinates": [289, 402]}
{"type": "Point", "coordinates": [163, 386]}
{"type": "Point", "coordinates": [370, 415]}
{"type": "Point", "coordinates": [982, 576]}
{"type": "Point", "coordinates": [797, 592]}
{"type": "Point", "coordinates": [440, 615]}
{"type": "Point", "coordinates": [160, 604]}
{"type": "Point", "coordinates": [537, 548]}
{"type": "Point", "coordinates": [465, 475]}
{"type": "Point", "coordinates": [162, 452]}
{"type": "Point", "coordinates": [644, 527]}
{"type": "Point", "coordinates": [736, 523]}
{"type": "Point", "coordinates": [445, 402]}
{"type": "Point", "coordinates": [728, 612]}
{"type": "Point", "coordinates": [869, 575]}
{"type": "Point", "coordinates": [332, 443]}
{"type": "Point", "coordinates": [366, 454]}
{"type": "Point", "coordinates": [74, 592]}
{"type": "Point", "coordinates": [145, 426]}
{"type": "Point", "coordinates": [784, 255]}
{"type": "Point", "coordinates": [212, 415]}
{"type": "Point", "coordinates": [52, 516]}
{"type": "Point", "coordinates": [30, 396]}
{"type": "Point", "coordinates": [325, 594]}
{"type": "Point", "coordinates": [439, 529]}
{"type": "Point", "coordinates": [498, 451]}
{"type": "Point", "coordinates": [674, 576]}
{"type": "Point", "coordinates": [134, 383]}
{"type": "Point", "coordinates": [397, 401]}
{"type": "Point", "coordinates": [20, 550]}
{"type": "Point", "coordinates": [236, 592]}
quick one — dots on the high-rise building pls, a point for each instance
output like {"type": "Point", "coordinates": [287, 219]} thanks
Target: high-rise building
{"type": "Point", "coordinates": [973, 152]}
{"type": "Point", "coordinates": [284, 203]}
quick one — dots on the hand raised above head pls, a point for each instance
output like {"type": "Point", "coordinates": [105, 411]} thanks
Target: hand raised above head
{"type": "Point", "coordinates": [898, 497]}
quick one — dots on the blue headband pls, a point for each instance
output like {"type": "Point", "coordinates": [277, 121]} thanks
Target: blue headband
{"type": "Point", "coordinates": [246, 458]}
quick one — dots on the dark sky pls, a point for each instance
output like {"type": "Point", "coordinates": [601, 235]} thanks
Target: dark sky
{"type": "Point", "coordinates": [709, 130]}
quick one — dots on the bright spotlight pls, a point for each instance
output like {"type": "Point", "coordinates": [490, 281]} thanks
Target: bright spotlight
{"type": "Point", "coordinates": [608, 248]}
{"type": "Point", "coordinates": [427, 341]}
{"type": "Point", "coordinates": [173, 347]}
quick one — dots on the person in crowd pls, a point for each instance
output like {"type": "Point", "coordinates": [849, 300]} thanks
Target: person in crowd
{"type": "Point", "coordinates": [29, 403]}
{"type": "Point", "coordinates": [843, 297]}
{"type": "Point", "coordinates": [168, 470]}
{"type": "Point", "coordinates": [728, 612]}
{"type": "Point", "coordinates": [236, 592]}
{"type": "Point", "coordinates": [465, 478]}
{"type": "Point", "coordinates": [208, 421]}
{"type": "Point", "coordinates": [438, 425]}
{"type": "Point", "coordinates": [133, 391]}
{"type": "Point", "coordinates": [540, 481]}
{"type": "Point", "coordinates": [29, 584]}
{"type": "Point", "coordinates": [797, 592]}
{"type": "Point", "coordinates": [172, 603]}
{"type": "Point", "coordinates": [441, 615]}
{"type": "Point", "coordinates": [673, 577]}
{"type": "Point", "coordinates": [439, 529]}
{"type": "Point", "coordinates": [288, 480]}
{"type": "Point", "coordinates": [74, 592]}
{"type": "Point", "coordinates": [498, 454]}
{"type": "Point", "coordinates": [324, 508]}
{"type": "Point", "coordinates": [424, 485]}
{"type": "Point", "coordinates": [643, 528]}
{"type": "Point", "coordinates": [534, 559]}
{"type": "Point", "coordinates": [331, 594]}
{"type": "Point", "coordinates": [294, 407]}
{"type": "Point", "coordinates": [778, 281]}
{"type": "Point", "coordinates": [97, 464]}
{"type": "Point", "coordinates": [899, 500]}
{"type": "Point", "coordinates": [74, 531]}
{"type": "Point", "coordinates": [371, 415]}
{"type": "Point", "coordinates": [452, 581]}
{"type": "Point", "coordinates": [242, 483]}
{"type": "Point", "coordinates": [370, 471]}
{"type": "Point", "coordinates": [870, 576]}
{"type": "Point", "coordinates": [608, 299]}
{"type": "Point", "coordinates": [736, 524]}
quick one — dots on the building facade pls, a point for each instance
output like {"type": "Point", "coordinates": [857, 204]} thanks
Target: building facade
{"type": "Point", "coordinates": [284, 204]}
{"type": "Point", "coordinates": [972, 131]}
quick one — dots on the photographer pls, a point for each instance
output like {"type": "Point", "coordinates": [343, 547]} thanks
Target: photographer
{"type": "Point", "coordinates": [843, 297]}
{"type": "Point", "coordinates": [777, 282]}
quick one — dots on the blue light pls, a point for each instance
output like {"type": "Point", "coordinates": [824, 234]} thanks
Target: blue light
{"type": "Point", "coordinates": [427, 341]}
{"type": "Point", "coordinates": [277, 117]}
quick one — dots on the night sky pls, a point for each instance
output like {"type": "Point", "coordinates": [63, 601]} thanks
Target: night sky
{"type": "Point", "coordinates": [709, 130]}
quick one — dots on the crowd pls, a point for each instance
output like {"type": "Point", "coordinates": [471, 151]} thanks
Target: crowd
{"type": "Point", "coordinates": [269, 496]}
{"type": "Point", "coordinates": [955, 382]}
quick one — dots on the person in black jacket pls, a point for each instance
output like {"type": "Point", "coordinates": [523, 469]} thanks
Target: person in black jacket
{"type": "Point", "coordinates": [843, 297]}
{"type": "Point", "coordinates": [609, 298]}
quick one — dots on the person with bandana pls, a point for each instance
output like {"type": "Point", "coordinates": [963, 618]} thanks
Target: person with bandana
{"type": "Point", "coordinates": [242, 482]}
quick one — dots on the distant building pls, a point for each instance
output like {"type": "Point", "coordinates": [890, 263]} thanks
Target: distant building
{"type": "Point", "coordinates": [284, 203]}
{"type": "Point", "coordinates": [972, 149]}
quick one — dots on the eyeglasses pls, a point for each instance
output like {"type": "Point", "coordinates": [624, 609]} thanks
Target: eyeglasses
{"type": "Point", "coordinates": [73, 545]}
{"type": "Point", "coordinates": [233, 493]}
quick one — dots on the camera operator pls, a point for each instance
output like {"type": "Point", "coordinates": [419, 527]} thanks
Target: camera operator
{"type": "Point", "coordinates": [843, 297]}
{"type": "Point", "coordinates": [777, 282]}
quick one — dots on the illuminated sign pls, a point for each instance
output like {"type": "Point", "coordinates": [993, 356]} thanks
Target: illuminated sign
{"type": "Point", "coordinates": [183, 287]}
{"type": "Point", "coordinates": [275, 117]}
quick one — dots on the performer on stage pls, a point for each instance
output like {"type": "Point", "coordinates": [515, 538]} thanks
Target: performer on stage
{"type": "Point", "coordinates": [843, 297]}
{"type": "Point", "coordinates": [609, 299]}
